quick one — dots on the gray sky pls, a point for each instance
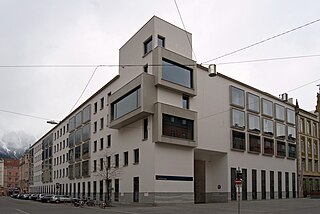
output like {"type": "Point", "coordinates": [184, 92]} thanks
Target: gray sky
{"type": "Point", "coordinates": [73, 32]}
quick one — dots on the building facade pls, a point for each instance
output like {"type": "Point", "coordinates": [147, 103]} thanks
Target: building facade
{"type": "Point", "coordinates": [308, 169]}
{"type": "Point", "coordinates": [25, 171]}
{"type": "Point", "coordinates": [11, 176]}
{"type": "Point", "coordinates": [1, 177]}
{"type": "Point", "coordinates": [163, 131]}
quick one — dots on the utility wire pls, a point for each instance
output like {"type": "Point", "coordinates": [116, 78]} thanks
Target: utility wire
{"type": "Point", "coordinates": [267, 59]}
{"type": "Point", "coordinates": [262, 41]}
{"type": "Point", "coordinates": [194, 54]}
{"type": "Point", "coordinates": [26, 115]}
{"type": "Point", "coordinates": [303, 85]}
{"type": "Point", "coordinates": [156, 65]}
{"type": "Point", "coordinates": [85, 88]}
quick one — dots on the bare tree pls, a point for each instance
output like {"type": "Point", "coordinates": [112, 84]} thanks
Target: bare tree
{"type": "Point", "coordinates": [109, 169]}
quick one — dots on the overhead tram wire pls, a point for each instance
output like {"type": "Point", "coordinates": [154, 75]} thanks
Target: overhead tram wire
{"type": "Point", "coordinates": [194, 54]}
{"type": "Point", "coordinates": [25, 115]}
{"type": "Point", "coordinates": [262, 41]}
{"type": "Point", "coordinates": [85, 87]}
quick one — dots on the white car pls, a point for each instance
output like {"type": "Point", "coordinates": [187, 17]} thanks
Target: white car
{"type": "Point", "coordinates": [60, 198]}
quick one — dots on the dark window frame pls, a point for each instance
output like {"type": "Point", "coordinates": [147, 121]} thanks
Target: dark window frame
{"type": "Point", "coordinates": [147, 45]}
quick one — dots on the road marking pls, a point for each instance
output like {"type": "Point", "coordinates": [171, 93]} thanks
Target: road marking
{"type": "Point", "coordinates": [22, 211]}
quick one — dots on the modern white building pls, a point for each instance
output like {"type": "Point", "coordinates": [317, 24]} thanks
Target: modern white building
{"type": "Point", "coordinates": [169, 133]}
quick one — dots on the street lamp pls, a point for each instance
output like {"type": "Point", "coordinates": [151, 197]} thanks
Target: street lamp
{"type": "Point", "coordinates": [52, 122]}
{"type": "Point", "coordinates": [212, 70]}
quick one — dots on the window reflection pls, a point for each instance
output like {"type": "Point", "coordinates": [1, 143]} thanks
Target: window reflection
{"type": "Point", "coordinates": [268, 127]}
{"type": "Point", "coordinates": [238, 118]}
{"type": "Point", "coordinates": [237, 96]}
{"type": "Point", "coordinates": [176, 73]}
{"type": "Point", "coordinates": [280, 131]}
{"type": "Point", "coordinates": [267, 107]}
{"type": "Point", "coordinates": [279, 112]}
{"type": "Point", "coordinates": [254, 123]}
{"type": "Point", "coordinates": [253, 103]}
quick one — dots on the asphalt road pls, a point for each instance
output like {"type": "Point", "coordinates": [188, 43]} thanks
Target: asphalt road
{"type": "Point", "coordinates": [284, 206]}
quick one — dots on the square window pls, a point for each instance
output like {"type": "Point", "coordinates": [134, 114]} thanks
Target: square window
{"type": "Point", "coordinates": [280, 131]}
{"type": "Point", "coordinates": [237, 97]}
{"type": "Point", "coordinates": [268, 146]}
{"type": "Point", "coordinates": [148, 45]}
{"type": "Point", "coordinates": [281, 149]}
{"type": "Point", "coordinates": [267, 108]}
{"type": "Point", "coordinates": [279, 112]}
{"type": "Point", "coordinates": [161, 41]}
{"type": "Point", "coordinates": [237, 118]}
{"type": "Point", "coordinates": [253, 102]}
{"type": "Point", "coordinates": [291, 116]}
{"type": "Point", "coordinates": [254, 123]}
{"type": "Point", "coordinates": [238, 140]}
{"type": "Point", "coordinates": [254, 143]}
{"type": "Point", "coordinates": [291, 133]}
{"type": "Point", "coordinates": [268, 127]}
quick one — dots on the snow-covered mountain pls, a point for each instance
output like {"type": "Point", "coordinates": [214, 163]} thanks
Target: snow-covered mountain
{"type": "Point", "coordinates": [13, 144]}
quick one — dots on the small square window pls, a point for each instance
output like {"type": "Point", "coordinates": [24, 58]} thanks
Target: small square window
{"type": "Point", "coordinates": [161, 41]}
{"type": "Point", "coordinates": [147, 45]}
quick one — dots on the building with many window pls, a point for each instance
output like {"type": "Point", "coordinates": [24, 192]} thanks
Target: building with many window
{"type": "Point", "coordinates": [165, 132]}
{"type": "Point", "coordinates": [308, 168]}
{"type": "Point", "coordinates": [1, 177]}
{"type": "Point", "coordinates": [11, 176]}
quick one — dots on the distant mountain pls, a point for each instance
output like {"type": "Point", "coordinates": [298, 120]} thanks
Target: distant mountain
{"type": "Point", "coordinates": [13, 144]}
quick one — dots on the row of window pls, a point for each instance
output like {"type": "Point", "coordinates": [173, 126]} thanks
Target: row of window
{"type": "Point", "coordinates": [95, 125]}
{"type": "Point", "coordinates": [81, 117]}
{"type": "Point", "coordinates": [268, 109]}
{"type": "Point", "coordinates": [79, 152]}
{"type": "Point", "coordinates": [308, 167]}
{"type": "Point", "coordinates": [60, 160]}
{"type": "Point", "coordinates": [59, 146]}
{"type": "Point", "coordinates": [114, 162]}
{"type": "Point", "coordinates": [308, 127]}
{"type": "Point", "coordinates": [269, 127]}
{"type": "Point", "coordinates": [95, 105]}
{"type": "Point", "coordinates": [80, 135]}
{"type": "Point", "coordinates": [61, 173]}
{"type": "Point", "coordinates": [308, 146]}
{"type": "Point", "coordinates": [269, 147]}
{"type": "Point", "coordinates": [78, 170]}
{"type": "Point", "coordinates": [62, 131]}
{"type": "Point", "coordinates": [101, 143]}
{"type": "Point", "coordinates": [263, 184]}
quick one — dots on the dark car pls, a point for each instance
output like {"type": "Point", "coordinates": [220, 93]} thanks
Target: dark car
{"type": "Point", "coordinates": [46, 198]}
{"type": "Point", "coordinates": [33, 197]}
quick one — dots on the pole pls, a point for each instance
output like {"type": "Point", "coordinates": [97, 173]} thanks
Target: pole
{"type": "Point", "coordinates": [238, 199]}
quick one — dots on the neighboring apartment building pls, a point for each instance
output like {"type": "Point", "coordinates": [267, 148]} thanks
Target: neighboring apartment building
{"type": "Point", "coordinates": [25, 170]}
{"type": "Point", "coordinates": [308, 168]}
{"type": "Point", "coordinates": [1, 177]}
{"type": "Point", "coordinates": [11, 176]}
{"type": "Point", "coordinates": [165, 132]}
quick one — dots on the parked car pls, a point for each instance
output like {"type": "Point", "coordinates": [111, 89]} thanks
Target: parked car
{"type": "Point", "coordinates": [25, 196]}
{"type": "Point", "coordinates": [14, 195]}
{"type": "Point", "coordinates": [46, 198]}
{"type": "Point", "coordinates": [60, 198]}
{"type": "Point", "coordinates": [20, 195]}
{"type": "Point", "coordinates": [33, 196]}
{"type": "Point", "coordinates": [40, 196]}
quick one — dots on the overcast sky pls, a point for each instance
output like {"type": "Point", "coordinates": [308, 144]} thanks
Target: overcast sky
{"type": "Point", "coordinates": [76, 32]}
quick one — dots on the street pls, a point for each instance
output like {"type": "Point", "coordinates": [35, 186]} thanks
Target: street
{"type": "Point", "coordinates": [285, 206]}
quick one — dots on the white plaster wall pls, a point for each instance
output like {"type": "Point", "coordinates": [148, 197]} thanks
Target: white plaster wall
{"type": "Point", "coordinates": [173, 161]}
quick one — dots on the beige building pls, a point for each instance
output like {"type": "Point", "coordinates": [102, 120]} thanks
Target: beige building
{"type": "Point", "coordinates": [309, 173]}
{"type": "Point", "coordinates": [163, 131]}
{"type": "Point", "coordinates": [1, 177]}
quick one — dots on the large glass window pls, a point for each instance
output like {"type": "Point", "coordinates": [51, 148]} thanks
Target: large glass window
{"type": "Point", "coordinates": [77, 170]}
{"type": "Point", "coordinates": [291, 116]}
{"type": "Point", "coordinates": [85, 150]}
{"type": "Point", "coordinates": [268, 147]}
{"type": "Point", "coordinates": [267, 108]}
{"type": "Point", "coordinates": [71, 139]}
{"type": "Point", "coordinates": [237, 118]}
{"type": "Point", "coordinates": [254, 143]}
{"type": "Point", "coordinates": [291, 150]}
{"type": "Point", "coordinates": [237, 96]}
{"type": "Point", "coordinates": [85, 168]}
{"type": "Point", "coordinates": [71, 155]}
{"type": "Point", "coordinates": [86, 132]}
{"type": "Point", "coordinates": [238, 140]}
{"type": "Point", "coordinates": [71, 172]}
{"type": "Point", "coordinates": [253, 102]}
{"type": "Point", "coordinates": [79, 119]}
{"type": "Point", "coordinates": [78, 136]}
{"type": "Point", "coordinates": [179, 74]}
{"type": "Point", "coordinates": [72, 123]}
{"type": "Point", "coordinates": [254, 123]}
{"type": "Point", "coordinates": [280, 131]}
{"type": "Point", "coordinates": [126, 104]}
{"type": "Point", "coordinates": [86, 113]}
{"type": "Point", "coordinates": [147, 45]}
{"type": "Point", "coordinates": [279, 112]}
{"type": "Point", "coordinates": [281, 149]}
{"type": "Point", "coordinates": [268, 128]}
{"type": "Point", "coordinates": [77, 152]}
{"type": "Point", "coordinates": [177, 127]}
{"type": "Point", "coordinates": [291, 133]}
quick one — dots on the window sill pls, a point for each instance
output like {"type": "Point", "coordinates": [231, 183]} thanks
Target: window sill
{"type": "Point", "coordinates": [144, 139]}
{"type": "Point", "coordinates": [237, 106]}
{"type": "Point", "coordinates": [268, 154]}
{"type": "Point", "coordinates": [238, 150]}
{"type": "Point", "coordinates": [254, 152]}
{"type": "Point", "coordinates": [238, 128]}
{"type": "Point", "coordinates": [291, 158]}
{"type": "Point", "coordinates": [282, 157]}
{"type": "Point", "coordinates": [136, 163]}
